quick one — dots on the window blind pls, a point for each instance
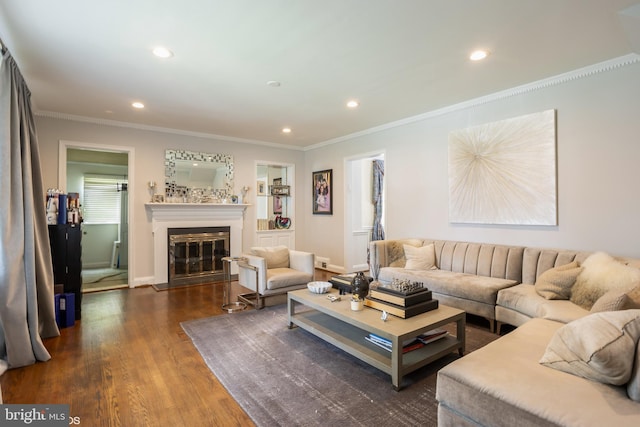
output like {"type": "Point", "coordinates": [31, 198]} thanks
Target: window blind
{"type": "Point", "coordinates": [101, 199]}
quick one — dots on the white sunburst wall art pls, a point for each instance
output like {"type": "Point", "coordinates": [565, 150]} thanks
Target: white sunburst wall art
{"type": "Point", "coordinates": [504, 172]}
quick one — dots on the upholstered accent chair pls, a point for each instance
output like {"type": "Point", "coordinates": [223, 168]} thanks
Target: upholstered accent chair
{"type": "Point", "coordinates": [277, 270]}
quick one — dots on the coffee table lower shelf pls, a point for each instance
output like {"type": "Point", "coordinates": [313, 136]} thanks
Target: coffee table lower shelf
{"type": "Point", "coordinates": [351, 339]}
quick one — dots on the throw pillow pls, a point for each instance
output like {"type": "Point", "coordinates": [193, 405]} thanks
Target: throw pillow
{"type": "Point", "coordinates": [556, 283]}
{"type": "Point", "coordinates": [634, 297]}
{"type": "Point", "coordinates": [599, 346]}
{"type": "Point", "coordinates": [611, 301]}
{"type": "Point", "coordinates": [422, 258]}
{"type": "Point", "coordinates": [601, 273]}
{"type": "Point", "coordinates": [276, 256]}
{"type": "Point", "coordinates": [627, 299]}
{"type": "Point", "coordinates": [633, 386]}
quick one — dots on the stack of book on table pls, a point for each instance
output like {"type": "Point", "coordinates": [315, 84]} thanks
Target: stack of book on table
{"type": "Point", "coordinates": [399, 303]}
{"type": "Point", "coordinates": [410, 344]}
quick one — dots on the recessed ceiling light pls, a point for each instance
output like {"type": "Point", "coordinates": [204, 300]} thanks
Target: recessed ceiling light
{"type": "Point", "coordinates": [138, 105]}
{"type": "Point", "coordinates": [478, 55]}
{"type": "Point", "coordinates": [286, 130]}
{"type": "Point", "coordinates": [353, 103]}
{"type": "Point", "coordinates": [162, 52]}
{"type": "Point", "coordinates": [273, 83]}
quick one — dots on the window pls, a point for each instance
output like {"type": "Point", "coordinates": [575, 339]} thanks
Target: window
{"type": "Point", "coordinates": [102, 199]}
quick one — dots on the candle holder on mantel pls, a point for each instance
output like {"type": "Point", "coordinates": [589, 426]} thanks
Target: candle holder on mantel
{"type": "Point", "coordinates": [152, 189]}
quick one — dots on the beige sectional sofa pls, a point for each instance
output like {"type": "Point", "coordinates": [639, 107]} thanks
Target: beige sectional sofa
{"type": "Point", "coordinates": [548, 371]}
{"type": "Point", "coordinates": [467, 276]}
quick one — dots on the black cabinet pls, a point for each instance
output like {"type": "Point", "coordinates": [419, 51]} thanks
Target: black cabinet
{"type": "Point", "coordinates": [66, 256]}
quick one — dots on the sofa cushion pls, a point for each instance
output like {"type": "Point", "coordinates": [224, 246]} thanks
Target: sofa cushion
{"type": "Point", "coordinates": [525, 299]}
{"type": "Point", "coordinates": [599, 347]}
{"type": "Point", "coordinates": [461, 285]}
{"type": "Point", "coordinates": [600, 274]}
{"type": "Point", "coordinates": [556, 282]}
{"type": "Point", "coordinates": [633, 386]}
{"type": "Point", "coordinates": [422, 258]}
{"type": "Point", "coordinates": [276, 256]}
{"type": "Point", "coordinates": [502, 384]}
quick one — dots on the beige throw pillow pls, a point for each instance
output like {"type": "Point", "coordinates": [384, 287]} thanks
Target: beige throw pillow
{"type": "Point", "coordinates": [611, 301]}
{"type": "Point", "coordinates": [599, 346]}
{"type": "Point", "coordinates": [556, 283]}
{"type": "Point", "coordinates": [601, 273]}
{"type": "Point", "coordinates": [422, 258]}
{"type": "Point", "coordinates": [276, 256]}
{"type": "Point", "coordinates": [618, 300]}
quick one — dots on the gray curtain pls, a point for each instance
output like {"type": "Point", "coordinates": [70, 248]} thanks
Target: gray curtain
{"type": "Point", "coordinates": [377, 233]}
{"type": "Point", "coordinates": [26, 275]}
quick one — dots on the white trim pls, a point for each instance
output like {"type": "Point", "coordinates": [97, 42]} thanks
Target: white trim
{"type": "Point", "coordinates": [612, 64]}
{"type": "Point", "coordinates": [129, 125]}
{"type": "Point", "coordinates": [350, 234]}
{"type": "Point", "coordinates": [131, 161]}
{"type": "Point", "coordinates": [580, 73]}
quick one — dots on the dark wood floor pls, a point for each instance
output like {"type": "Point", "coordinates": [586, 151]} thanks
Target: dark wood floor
{"type": "Point", "coordinates": [129, 363]}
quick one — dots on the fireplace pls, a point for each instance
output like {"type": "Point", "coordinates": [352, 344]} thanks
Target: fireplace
{"type": "Point", "coordinates": [195, 254]}
{"type": "Point", "coordinates": [165, 216]}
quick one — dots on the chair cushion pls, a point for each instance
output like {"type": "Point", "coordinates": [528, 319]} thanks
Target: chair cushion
{"type": "Point", "coordinates": [276, 256]}
{"type": "Point", "coordinates": [283, 277]}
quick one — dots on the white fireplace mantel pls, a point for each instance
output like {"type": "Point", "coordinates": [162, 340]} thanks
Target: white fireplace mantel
{"type": "Point", "coordinates": [184, 215]}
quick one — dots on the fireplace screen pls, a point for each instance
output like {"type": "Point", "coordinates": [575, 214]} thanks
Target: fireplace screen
{"type": "Point", "coordinates": [195, 254]}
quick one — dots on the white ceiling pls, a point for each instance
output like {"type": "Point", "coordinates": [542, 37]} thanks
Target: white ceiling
{"type": "Point", "coordinates": [399, 58]}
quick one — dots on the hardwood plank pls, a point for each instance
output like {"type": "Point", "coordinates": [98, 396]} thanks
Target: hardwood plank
{"type": "Point", "coordinates": [129, 363]}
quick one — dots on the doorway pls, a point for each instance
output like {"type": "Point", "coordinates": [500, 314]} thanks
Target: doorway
{"type": "Point", "coordinates": [101, 174]}
{"type": "Point", "coordinates": [359, 210]}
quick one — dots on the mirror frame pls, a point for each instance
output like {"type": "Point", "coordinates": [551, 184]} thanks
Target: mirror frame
{"type": "Point", "coordinates": [174, 190]}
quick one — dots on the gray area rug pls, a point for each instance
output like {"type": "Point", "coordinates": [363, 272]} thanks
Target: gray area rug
{"type": "Point", "coordinates": [288, 377]}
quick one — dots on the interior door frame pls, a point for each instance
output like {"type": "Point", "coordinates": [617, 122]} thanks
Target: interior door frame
{"type": "Point", "coordinates": [62, 183]}
{"type": "Point", "coordinates": [353, 237]}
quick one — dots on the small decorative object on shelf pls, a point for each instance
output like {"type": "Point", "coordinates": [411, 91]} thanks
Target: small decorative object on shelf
{"type": "Point", "coordinates": [280, 190]}
{"type": "Point", "coordinates": [282, 222]}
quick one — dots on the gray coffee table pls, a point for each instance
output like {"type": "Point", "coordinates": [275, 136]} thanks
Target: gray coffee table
{"type": "Point", "coordinates": [337, 324]}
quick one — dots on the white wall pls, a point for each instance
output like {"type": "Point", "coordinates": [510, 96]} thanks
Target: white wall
{"type": "Point", "coordinates": [598, 151]}
{"type": "Point", "coordinates": [598, 120]}
{"type": "Point", "coordinates": [149, 148]}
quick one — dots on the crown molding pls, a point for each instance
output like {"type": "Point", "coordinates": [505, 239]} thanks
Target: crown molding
{"type": "Point", "coordinates": [116, 123]}
{"type": "Point", "coordinates": [585, 72]}
{"type": "Point", "coordinates": [601, 67]}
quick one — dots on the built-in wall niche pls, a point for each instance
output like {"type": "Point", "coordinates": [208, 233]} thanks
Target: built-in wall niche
{"type": "Point", "coordinates": [274, 204]}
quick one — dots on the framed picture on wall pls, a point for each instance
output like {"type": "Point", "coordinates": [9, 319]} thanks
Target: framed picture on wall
{"type": "Point", "coordinates": [323, 192]}
{"type": "Point", "coordinates": [262, 188]}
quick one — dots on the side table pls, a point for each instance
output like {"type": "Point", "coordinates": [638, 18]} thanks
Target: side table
{"type": "Point", "coordinates": [228, 306]}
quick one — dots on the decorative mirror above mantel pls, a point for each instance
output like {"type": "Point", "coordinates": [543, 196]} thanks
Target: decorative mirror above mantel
{"type": "Point", "coordinates": [196, 177]}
